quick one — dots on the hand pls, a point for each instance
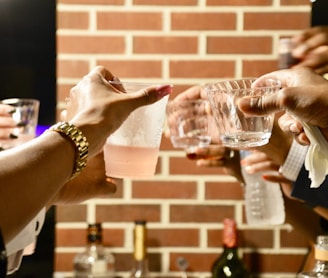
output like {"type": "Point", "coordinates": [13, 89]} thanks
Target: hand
{"type": "Point", "coordinates": [195, 92]}
{"type": "Point", "coordinates": [91, 183]}
{"type": "Point", "coordinates": [304, 96]}
{"type": "Point", "coordinates": [98, 108]}
{"type": "Point", "coordinates": [216, 155]}
{"type": "Point", "coordinates": [312, 49]}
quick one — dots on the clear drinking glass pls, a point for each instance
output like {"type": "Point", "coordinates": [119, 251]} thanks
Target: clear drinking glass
{"type": "Point", "coordinates": [235, 128]}
{"type": "Point", "coordinates": [189, 123]}
{"type": "Point", "coordinates": [25, 114]}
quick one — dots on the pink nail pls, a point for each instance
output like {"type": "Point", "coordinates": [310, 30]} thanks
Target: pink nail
{"type": "Point", "coordinates": [164, 90]}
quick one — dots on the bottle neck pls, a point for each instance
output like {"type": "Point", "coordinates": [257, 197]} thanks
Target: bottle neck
{"type": "Point", "coordinates": [139, 250]}
{"type": "Point", "coordinates": [229, 235]}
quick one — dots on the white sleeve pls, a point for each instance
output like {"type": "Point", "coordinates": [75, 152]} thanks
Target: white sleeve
{"type": "Point", "coordinates": [24, 242]}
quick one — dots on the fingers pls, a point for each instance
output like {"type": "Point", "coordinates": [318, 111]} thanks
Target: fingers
{"type": "Point", "coordinates": [275, 178]}
{"type": "Point", "coordinates": [193, 93]}
{"type": "Point", "coordinates": [150, 95]}
{"type": "Point", "coordinates": [259, 105]}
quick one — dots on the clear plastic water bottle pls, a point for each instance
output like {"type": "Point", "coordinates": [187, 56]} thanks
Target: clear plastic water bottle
{"type": "Point", "coordinates": [264, 203]}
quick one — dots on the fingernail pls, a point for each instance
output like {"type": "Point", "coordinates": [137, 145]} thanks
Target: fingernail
{"type": "Point", "coordinates": [21, 124]}
{"type": "Point", "coordinates": [164, 90]}
{"type": "Point", "coordinates": [249, 169]}
{"type": "Point", "coordinates": [300, 50]}
{"type": "Point", "coordinates": [13, 136]}
{"type": "Point", "coordinates": [12, 111]}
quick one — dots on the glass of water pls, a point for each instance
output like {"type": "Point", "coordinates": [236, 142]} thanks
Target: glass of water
{"type": "Point", "coordinates": [236, 129]}
{"type": "Point", "coordinates": [189, 124]}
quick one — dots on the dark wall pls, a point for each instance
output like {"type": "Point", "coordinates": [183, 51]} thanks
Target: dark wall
{"type": "Point", "coordinates": [319, 13]}
{"type": "Point", "coordinates": [28, 69]}
{"type": "Point", "coordinates": [28, 53]}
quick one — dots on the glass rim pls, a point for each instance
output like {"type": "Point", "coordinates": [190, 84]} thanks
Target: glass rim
{"type": "Point", "coordinates": [12, 101]}
{"type": "Point", "coordinates": [214, 87]}
{"type": "Point", "coordinates": [174, 101]}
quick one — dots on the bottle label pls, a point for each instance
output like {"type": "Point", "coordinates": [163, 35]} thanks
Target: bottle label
{"type": "Point", "coordinates": [99, 267]}
{"type": "Point", "coordinates": [321, 254]}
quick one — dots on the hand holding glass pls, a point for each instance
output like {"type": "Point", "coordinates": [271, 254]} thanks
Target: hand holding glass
{"type": "Point", "coordinates": [132, 150]}
{"type": "Point", "coordinates": [235, 128]}
{"type": "Point", "coordinates": [189, 123]}
{"type": "Point", "coordinates": [25, 114]}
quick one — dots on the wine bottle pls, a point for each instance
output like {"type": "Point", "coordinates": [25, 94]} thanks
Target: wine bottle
{"type": "Point", "coordinates": [94, 262]}
{"type": "Point", "coordinates": [229, 263]}
{"type": "Point", "coordinates": [140, 261]}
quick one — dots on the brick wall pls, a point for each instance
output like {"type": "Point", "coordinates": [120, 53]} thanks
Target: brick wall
{"type": "Point", "coordinates": [184, 42]}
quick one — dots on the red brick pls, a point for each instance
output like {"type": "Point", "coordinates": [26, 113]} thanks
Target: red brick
{"type": "Point", "coordinates": [129, 21]}
{"type": "Point", "coordinates": [165, 45]}
{"type": "Point", "coordinates": [197, 262]}
{"type": "Point", "coordinates": [203, 21]}
{"type": "Point", "coordinates": [294, 2]}
{"type": "Point", "coordinates": [259, 67]}
{"type": "Point", "coordinates": [239, 45]}
{"type": "Point", "coordinates": [63, 91]}
{"type": "Point", "coordinates": [78, 237]}
{"type": "Point", "coordinates": [90, 44]}
{"type": "Point", "coordinates": [165, 2]}
{"type": "Point", "coordinates": [184, 166]}
{"type": "Point", "coordinates": [224, 191]}
{"type": "Point", "coordinates": [200, 213]}
{"type": "Point", "coordinates": [92, 2]}
{"type": "Point", "coordinates": [127, 213]}
{"type": "Point", "coordinates": [202, 69]}
{"type": "Point", "coordinates": [239, 3]}
{"type": "Point", "coordinates": [134, 69]}
{"type": "Point", "coordinates": [124, 261]}
{"type": "Point", "coordinates": [72, 68]}
{"type": "Point", "coordinates": [276, 21]}
{"type": "Point", "coordinates": [64, 261]}
{"type": "Point", "coordinates": [248, 238]}
{"type": "Point", "coordinates": [274, 263]}
{"type": "Point", "coordinates": [72, 20]}
{"type": "Point", "coordinates": [164, 190]}
{"type": "Point", "coordinates": [71, 213]}
{"type": "Point", "coordinates": [173, 237]}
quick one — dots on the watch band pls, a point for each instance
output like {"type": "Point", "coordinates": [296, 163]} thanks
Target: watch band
{"type": "Point", "coordinates": [78, 140]}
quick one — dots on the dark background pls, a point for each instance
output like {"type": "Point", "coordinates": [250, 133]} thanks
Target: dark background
{"type": "Point", "coordinates": [28, 69]}
{"type": "Point", "coordinates": [319, 13]}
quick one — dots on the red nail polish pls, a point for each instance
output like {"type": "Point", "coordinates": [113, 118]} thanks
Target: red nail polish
{"type": "Point", "coordinates": [164, 90]}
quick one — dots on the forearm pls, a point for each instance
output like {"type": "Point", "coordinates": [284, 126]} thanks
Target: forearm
{"type": "Point", "coordinates": [30, 176]}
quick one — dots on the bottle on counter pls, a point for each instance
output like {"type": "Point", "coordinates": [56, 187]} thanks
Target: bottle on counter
{"type": "Point", "coordinates": [94, 262]}
{"type": "Point", "coordinates": [140, 262]}
{"type": "Point", "coordinates": [264, 202]}
{"type": "Point", "coordinates": [229, 264]}
{"type": "Point", "coordinates": [320, 268]}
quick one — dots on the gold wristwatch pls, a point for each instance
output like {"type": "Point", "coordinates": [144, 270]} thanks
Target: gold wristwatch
{"type": "Point", "coordinates": [78, 140]}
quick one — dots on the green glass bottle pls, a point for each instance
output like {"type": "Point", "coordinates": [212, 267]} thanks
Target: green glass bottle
{"type": "Point", "coordinates": [229, 263]}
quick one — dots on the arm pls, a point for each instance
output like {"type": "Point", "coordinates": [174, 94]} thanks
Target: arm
{"type": "Point", "coordinates": [33, 173]}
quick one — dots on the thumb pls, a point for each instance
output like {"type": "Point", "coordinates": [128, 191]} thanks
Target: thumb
{"type": "Point", "coordinates": [259, 105]}
{"type": "Point", "coordinates": [150, 95]}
